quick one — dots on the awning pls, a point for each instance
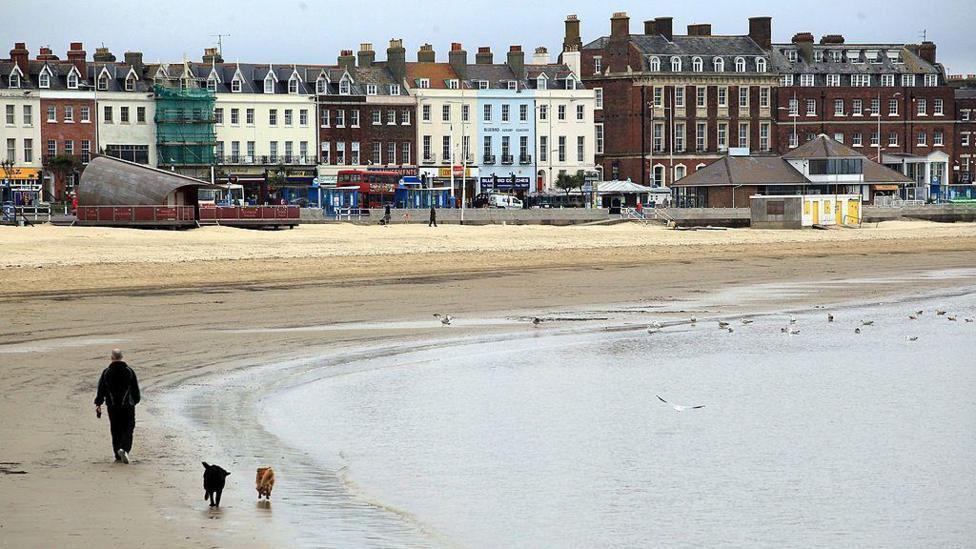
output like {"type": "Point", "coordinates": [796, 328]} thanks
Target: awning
{"type": "Point", "coordinates": [884, 187]}
{"type": "Point", "coordinates": [22, 173]}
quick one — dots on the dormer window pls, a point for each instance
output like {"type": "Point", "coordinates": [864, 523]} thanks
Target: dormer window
{"type": "Point", "coordinates": [44, 80]}
{"type": "Point", "coordinates": [675, 64]}
{"type": "Point", "coordinates": [370, 89]}
{"type": "Point", "coordinates": [14, 79]}
{"type": "Point", "coordinates": [512, 85]}
{"type": "Point", "coordinates": [483, 84]}
{"type": "Point", "coordinates": [321, 86]}
{"type": "Point", "coordinates": [854, 56]}
{"type": "Point", "coordinates": [740, 64]}
{"type": "Point", "coordinates": [130, 83]}
{"type": "Point", "coordinates": [655, 64]}
{"type": "Point", "coordinates": [423, 83]}
{"type": "Point", "coordinates": [719, 64]}
{"type": "Point", "coordinates": [872, 56]}
{"type": "Point", "coordinates": [697, 65]}
{"type": "Point", "coordinates": [103, 82]}
{"type": "Point", "coordinates": [345, 87]}
{"type": "Point", "coordinates": [760, 64]}
{"type": "Point", "coordinates": [293, 85]}
{"type": "Point", "coordinates": [792, 56]}
{"type": "Point", "coordinates": [212, 84]}
{"type": "Point", "coordinates": [835, 56]}
{"type": "Point", "coordinates": [541, 83]}
{"type": "Point", "coordinates": [570, 83]}
{"type": "Point", "coordinates": [394, 89]}
{"type": "Point", "coordinates": [72, 80]}
{"type": "Point", "coordinates": [269, 84]}
{"type": "Point", "coordinates": [453, 84]}
{"type": "Point", "coordinates": [818, 56]}
{"type": "Point", "coordinates": [235, 85]}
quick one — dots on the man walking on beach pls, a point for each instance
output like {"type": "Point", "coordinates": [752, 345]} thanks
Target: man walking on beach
{"type": "Point", "coordinates": [433, 217]}
{"type": "Point", "coordinates": [118, 389]}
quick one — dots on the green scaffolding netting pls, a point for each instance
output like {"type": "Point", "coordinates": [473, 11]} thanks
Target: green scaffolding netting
{"type": "Point", "coordinates": [185, 126]}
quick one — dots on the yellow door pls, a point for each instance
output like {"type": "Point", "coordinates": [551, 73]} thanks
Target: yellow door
{"type": "Point", "coordinates": [815, 216]}
{"type": "Point", "coordinates": [853, 212]}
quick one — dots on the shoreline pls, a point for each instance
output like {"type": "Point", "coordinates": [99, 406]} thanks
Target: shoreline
{"type": "Point", "coordinates": [173, 332]}
{"type": "Point", "coordinates": [358, 356]}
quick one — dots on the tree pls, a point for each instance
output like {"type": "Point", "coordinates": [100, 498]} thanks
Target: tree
{"type": "Point", "coordinates": [62, 165]}
{"type": "Point", "coordinates": [568, 182]}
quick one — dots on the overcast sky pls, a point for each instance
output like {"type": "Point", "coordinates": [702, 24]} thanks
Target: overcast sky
{"type": "Point", "coordinates": [313, 31]}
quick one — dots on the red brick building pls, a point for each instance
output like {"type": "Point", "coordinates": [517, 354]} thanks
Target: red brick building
{"type": "Point", "coordinates": [964, 162]}
{"type": "Point", "coordinates": [851, 91]}
{"type": "Point", "coordinates": [366, 115]}
{"type": "Point", "coordinates": [68, 124]}
{"type": "Point", "coordinates": [674, 103]}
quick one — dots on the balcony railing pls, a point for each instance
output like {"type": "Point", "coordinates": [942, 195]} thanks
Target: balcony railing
{"type": "Point", "coordinates": [525, 159]}
{"type": "Point", "coordinates": [488, 159]}
{"type": "Point", "coordinates": [430, 158]}
{"type": "Point", "coordinates": [508, 159]}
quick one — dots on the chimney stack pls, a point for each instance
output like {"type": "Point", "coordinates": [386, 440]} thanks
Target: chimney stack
{"type": "Point", "coordinates": [134, 60]}
{"type": "Point", "coordinates": [211, 56]}
{"type": "Point", "coordinates": [830, 39]}
{"type": "Point", "coordinates": [620, 26]}
{"type": "Point", "coordinates": [366, 55]}
{"type": "Point", "coordinates": [516, 61]}
{"type": "Point", "coordinates": [541, 56]}
{"type": "Point", "coordinates": [649, 28]}
{"type": "Point", "coordinates": [703, 29]}
{"type": "Point", "coordinates": [103, 55]}
{"type": "Point", "coordinates": [804, 43]}
{"type": "Point", "coordinates": [665, 27]}
{"type": "Point", "coordinates": [46, 54]}
{"type": "Point", "coordinates": [458, 58]}
{"type": "Point", "coordinates": [926, 50]}
{"type": "Point", "coordinates": [396, 60]}
{"type": "Point", "coordinates": [21, 55]}
{"type": "Point", "coordinates": [572, 41]}
{"type": "Point", "coordinates": [347, 60]}
{"type": "Point", "coordinates": [761, 31]}
{"type": "Point", "coordinates": [426, 54]}
{"type": "Point", "coordinates": [77, 55]}
{"type": "Point", "coordinates": [484, 56]}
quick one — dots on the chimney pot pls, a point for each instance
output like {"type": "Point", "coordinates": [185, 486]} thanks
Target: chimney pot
{"type": "Point", "coordinates": [426, 54]}
{"type": "Point", "coordinates": [571, 38]}
{"type": "Point", "coordinates": [620, 26]}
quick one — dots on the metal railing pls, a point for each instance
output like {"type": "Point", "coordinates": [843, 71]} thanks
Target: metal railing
{"type": "Point", "coordinates": [430, 158]}
{"type": "Point", "coordinates": [895, 202]}
{"type": "Point", "coordinates": [508, 159]}
{"type": "Point", "coordinates": [488, 159]}
{"type": "Point", "coordinates": [525, 159]}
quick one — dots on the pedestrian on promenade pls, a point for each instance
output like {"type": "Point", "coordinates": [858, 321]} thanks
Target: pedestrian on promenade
{"type": "Point", "coordinates": [433, 217]}
{"type": "Point", "coordinates": [118, 389]}
{"type": "Point", "coordinates": [387, 216]}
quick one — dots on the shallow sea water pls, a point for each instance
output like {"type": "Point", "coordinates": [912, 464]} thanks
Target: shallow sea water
{"type": "Point", "coordinates": [556, 439]}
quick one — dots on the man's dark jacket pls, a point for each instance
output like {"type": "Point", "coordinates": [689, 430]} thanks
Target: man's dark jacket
{"type": "Point", "coordinates": [118, 386]}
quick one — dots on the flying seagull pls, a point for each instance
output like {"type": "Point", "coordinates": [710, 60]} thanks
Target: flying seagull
{"type": "Point", "coordinates": [794, 332]}
{"type": "Point", "coordinates": [867, 323]}
{"type": "Point", "coordinates": [911, 338]}
{"type": "Point", "coordinates": [919, 312]}
{"type": "Point", "coordinates": [678, 407]}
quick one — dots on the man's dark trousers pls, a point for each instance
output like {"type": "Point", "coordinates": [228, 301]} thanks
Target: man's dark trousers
{"type": "Point", "coordinates": [123, 422]}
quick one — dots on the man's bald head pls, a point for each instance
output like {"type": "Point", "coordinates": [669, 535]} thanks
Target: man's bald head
{"type": "Point", "coordinates": [116, 354]}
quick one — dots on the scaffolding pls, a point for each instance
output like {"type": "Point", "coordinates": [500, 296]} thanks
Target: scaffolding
{"type": "Point", "coordinates": [185, 133]}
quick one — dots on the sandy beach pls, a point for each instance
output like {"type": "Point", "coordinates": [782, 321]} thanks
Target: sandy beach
{"type": "Point", "coordinates": [172, 300]}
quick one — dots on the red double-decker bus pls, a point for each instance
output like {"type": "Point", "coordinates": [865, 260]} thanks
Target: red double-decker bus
{"type": "Point", "coordinates": [376, 189]}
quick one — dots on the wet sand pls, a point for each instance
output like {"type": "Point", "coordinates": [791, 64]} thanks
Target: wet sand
{"type": "Point", "coordinates": [179, 320]}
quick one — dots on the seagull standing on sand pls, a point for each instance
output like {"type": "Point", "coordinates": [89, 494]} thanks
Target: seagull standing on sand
{"type": "Point", "coordinates": [969, 320]}
{"type": "Point", "coordinates": [830, 317]}
{"type": "Point", "coordinates": [446, 320]}
{"type": "Point", "coordinates": [723, 324]}
{"type": "Point", "coordinates": [940, 312]}
{"type": "Point", "coordinates": [536, 321]}
{"type": "Point", "coordinates": [867, 323]}
{"type": "Point", "coordinates": [912, 317]}
{"type": "Point", "coordinates": [678, 407]}
{"type": "Point", "coordinates": [857, 330]}
{"type": "Point", "coordinates": [911, 338]}
{"type": "Point", "coordinates": [952, 318]}
{"type": "Point", "coordinates": [693, 319]}
{"type": "Point", "coordinates": [792, 319]}
{"type": "Point", "coordinates": [747, 321]}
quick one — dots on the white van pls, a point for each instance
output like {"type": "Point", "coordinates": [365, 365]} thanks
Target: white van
{"type": "Point", "coordinates": [505, 201]}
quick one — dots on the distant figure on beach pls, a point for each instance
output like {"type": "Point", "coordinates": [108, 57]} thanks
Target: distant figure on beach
{"type": "Point", "coordinates": [118, 389]}
{"type": "Point", "coordinates": [433, 217]}
{"type": "Point", "coordinates": [387, 215]}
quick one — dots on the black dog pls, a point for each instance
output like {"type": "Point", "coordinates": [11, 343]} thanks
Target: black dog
{"type": "Point", "coordinates": [214, 477]}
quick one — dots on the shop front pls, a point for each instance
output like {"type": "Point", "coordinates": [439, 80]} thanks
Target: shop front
{"type": "Point", "coordinates": [21, 186]}
{"type": "Point", "coordinates": [465, 181]}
